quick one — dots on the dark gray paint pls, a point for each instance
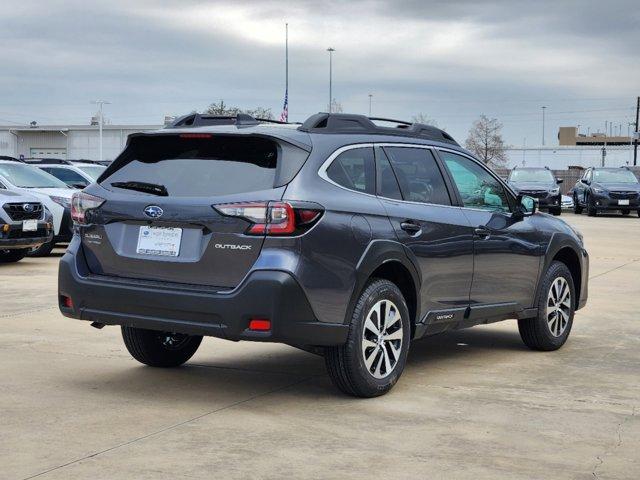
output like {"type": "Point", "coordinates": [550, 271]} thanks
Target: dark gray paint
{"type": "Point", "coordinates": [453, 270]}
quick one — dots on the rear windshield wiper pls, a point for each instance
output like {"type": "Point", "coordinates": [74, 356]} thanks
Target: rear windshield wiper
{"type": "Point", "coordinates": [151, 188]}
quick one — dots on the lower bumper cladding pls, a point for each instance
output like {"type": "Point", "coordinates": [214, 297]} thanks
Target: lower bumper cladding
{"type": "Point", "coordinates": [268, 296]}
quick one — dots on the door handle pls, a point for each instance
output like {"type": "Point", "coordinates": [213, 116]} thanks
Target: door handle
{"type": "Point", "coordinates": [410, 226]}
{"type": "Point", "coordinates": [482, 232]}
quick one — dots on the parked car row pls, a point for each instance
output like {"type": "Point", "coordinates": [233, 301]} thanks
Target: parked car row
{"type": "Point", "coordinates": [606, 190]}
{"type": "Point", "coordinates": [35, 203]}
{"type": "Point", "coordinates": [598, 190]}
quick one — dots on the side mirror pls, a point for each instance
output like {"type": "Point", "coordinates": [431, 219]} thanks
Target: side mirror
{"type": "Point", "coordinates": [526, 205]}
{"type": "Point", "coordinates": [586, 182]}
{"type": "Point", "coordinates": [559, 180]}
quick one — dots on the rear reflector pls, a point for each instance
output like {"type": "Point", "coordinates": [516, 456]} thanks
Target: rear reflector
{"type": "Point", "coordinates": [66, 301]}
{"type": "Point", "coordinates": [260, 324]}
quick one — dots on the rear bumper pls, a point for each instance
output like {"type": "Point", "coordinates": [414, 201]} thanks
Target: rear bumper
{"type": "Point", "coordinates": [265, 294]}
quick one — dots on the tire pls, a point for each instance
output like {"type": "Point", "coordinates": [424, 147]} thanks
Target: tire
{"type": "Point", "coordinates": [555, 211]}
{"type": "Point", "coordinates": [548, 331]}
{"type": "Point", "coordinates": [12, 256]}
{"type": "Point", "coordinates": [154, 348]}
{"type": "Point", "coordinates": [43, 250]}
{"type": "Point", "coordinates": [592, 211]}
{"type": "Point", "coordinates": [577, 209]}
{"type": "Point", "coordinates": [625, 212]}
{"type": "Point", "coordinates": [347, 364]}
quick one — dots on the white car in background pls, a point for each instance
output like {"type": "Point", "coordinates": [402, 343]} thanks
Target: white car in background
{"type": "Point", "coordinates": [76, 174]}
{"type": "Point", "coordinates": [54, 194]}
{"type": "Point", "coordinates": [567, 202]}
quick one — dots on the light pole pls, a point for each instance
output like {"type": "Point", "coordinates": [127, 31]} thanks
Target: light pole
{"type": "Point", "coordinates": [330, 50]}
{"type": "Point", "coordinates": [370, 99]}
{"type": "Point", "coordinates": [100, 103]}
{"type": "Point", "coordinates": [543, 112]}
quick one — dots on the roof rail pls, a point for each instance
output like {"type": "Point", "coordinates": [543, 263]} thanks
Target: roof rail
{"type": "Point", "coordinates": [48, 161]}
{"type": "Point", "coordinates": [350, 123]}
{"type": "Point", "coordinates": [204, 119]}
{"type": "Point", "coordinates": [84, 160]}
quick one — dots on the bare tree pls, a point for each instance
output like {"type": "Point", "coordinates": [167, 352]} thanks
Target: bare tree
{"type": "Point", "coordinates": [222, 108]}
{"type": "Point", "coordinates": [424, 119]}
{"type": "Point", "coordinates": [485, 140]}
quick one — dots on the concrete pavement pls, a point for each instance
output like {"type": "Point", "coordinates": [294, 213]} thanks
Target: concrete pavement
{"type": "Point", "coordinates": [474, 404]}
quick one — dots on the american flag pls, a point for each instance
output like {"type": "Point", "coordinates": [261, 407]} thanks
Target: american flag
{"type": "Point", "coordinates": [284, 116]}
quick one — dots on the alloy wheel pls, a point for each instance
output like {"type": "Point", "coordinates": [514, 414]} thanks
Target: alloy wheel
{"type": "Point", "coordinates": [558, 306]}
{"type": "Point", "coordinates": [172, 341]}
{"type": "Point", "coordinates": [382, 338]}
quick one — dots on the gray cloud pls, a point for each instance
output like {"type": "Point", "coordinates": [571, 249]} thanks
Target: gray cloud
{"type": "Point", "coordinates": [450, 59]}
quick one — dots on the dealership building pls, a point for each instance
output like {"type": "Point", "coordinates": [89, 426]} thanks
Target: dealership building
{"type": "Point", "coordinates": [66, 141]}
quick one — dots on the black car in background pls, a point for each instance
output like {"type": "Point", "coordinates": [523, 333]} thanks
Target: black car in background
{"type": "Point", "coordinates": [607, 189]}
{"type": "Point", "coordinates": [339, 236]}
{"type": "Point", "coordinates": [538, 183]}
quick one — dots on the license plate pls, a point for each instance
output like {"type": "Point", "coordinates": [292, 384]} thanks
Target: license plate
{"type": "Point", "coordinates": [160, 241]}
{"type": "Point", "coordinates": [623, 202]}
{"type": "Point", "coordinates": [29, 225]}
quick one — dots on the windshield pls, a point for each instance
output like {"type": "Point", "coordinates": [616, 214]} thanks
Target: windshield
{"type": "Point", "coordinates": [94, 171]}
{"type": "Point", "coordinates": [614, 176]}
{"type": "Point", "coordinates": [25, 176]}
{"type": "Point", "coordinates": [534, 176]}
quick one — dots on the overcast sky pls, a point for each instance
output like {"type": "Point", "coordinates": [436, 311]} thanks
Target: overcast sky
{"type": "Point", "coordinates": [450, 60]}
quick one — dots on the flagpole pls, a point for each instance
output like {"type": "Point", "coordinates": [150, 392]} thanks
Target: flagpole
{"type": "Point", "coordinates": [286, 67]}
{"type": "Point", "coordinates": [286, 49]}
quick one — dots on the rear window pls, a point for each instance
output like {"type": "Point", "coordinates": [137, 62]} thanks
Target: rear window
{"type": "Point", "coordinates": [206, 165]}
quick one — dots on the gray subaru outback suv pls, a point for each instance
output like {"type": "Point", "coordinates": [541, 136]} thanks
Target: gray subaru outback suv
{"type": "Point", "coordinates": [345, 236]}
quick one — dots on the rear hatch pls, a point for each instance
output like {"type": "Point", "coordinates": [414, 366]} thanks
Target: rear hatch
{"type": "Point", "coordinates": [159, 222]}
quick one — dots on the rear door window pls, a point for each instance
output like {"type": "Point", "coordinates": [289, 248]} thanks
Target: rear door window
{"type": "Point", "coordinates": [206, 165]}
{"type": "Point", "coordinates": [354, 169]}
{"type": "Point", "coordinates": [418, 174]}
{"type": "Point", "coordinates": [387, 182]}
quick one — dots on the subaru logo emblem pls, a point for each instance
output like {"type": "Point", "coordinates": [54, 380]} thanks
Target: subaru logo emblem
{"type": "Point", "coordinates": [27, 207]}
{"type": "Point", "coordinates": [153, 211]}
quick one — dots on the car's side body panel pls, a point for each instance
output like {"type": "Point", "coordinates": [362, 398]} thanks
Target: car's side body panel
{"type": "Point", "coordinates": [459, 280]}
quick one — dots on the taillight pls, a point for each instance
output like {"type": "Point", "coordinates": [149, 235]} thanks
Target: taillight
{"type": "Point", "coordinates": [81, 204]}
{"type": "Point", "coordinates": [272, 218]}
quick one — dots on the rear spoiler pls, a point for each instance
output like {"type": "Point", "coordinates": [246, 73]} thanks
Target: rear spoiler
{"type": "Point", "coordinates": [123, 158]}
